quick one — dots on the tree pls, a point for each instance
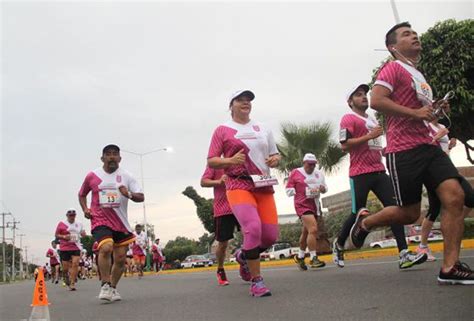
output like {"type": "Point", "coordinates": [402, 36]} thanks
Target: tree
{"type": "Point", "coordinates": [308, 138]}
{"type": "Point", "coordinates": [204, 208]}
{"type": "Point", "coordinates": [447, 61]}
{"type": "Point", "coordinates": [179, 248]}
{"type": "Point", "coordinates": [290, 232]}
{"type": "Point", "coordinates": [205, 243]}
{"type": "Point", "coordinates": [87, 242]}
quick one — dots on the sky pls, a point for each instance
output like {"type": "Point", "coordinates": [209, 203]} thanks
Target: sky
{"type": "Point", "coordinates": [145, 75]}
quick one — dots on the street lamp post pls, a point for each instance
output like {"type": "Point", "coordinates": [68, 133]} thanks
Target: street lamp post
{"type": "Point", "coordinates": [164, 149]}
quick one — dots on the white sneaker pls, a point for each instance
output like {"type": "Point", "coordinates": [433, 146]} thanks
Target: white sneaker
{"type": "Point", "coordinates": [115, 295]}
{"type": "Point", "coordinates": [105, 292]}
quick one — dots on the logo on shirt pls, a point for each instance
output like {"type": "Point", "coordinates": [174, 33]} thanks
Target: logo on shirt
{"type": "Point", "coordinates": [256, 128]}
{"type": "Point", "coordinates": [119, 178]}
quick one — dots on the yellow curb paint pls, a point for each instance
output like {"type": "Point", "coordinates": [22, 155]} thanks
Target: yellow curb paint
{"type": "Point", "coordinates": [350, 255]}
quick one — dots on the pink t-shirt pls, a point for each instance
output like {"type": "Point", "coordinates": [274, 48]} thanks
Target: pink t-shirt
{"type": "Point", "coordinates": [256, 141]}
{"type": "Point", "coordinates": [364, 159]}
{"type": "Point", "coordinates": [108, 205]}
{"type": "Point", "coordinates": [53, 256]}
{"type": "Point", "coordinates": [299, 185]}
{"type": "Point", "coordinates": [221, 206]}
{"type": "Point", "coordinates": [157, 253]}
{"type": "Point", "coordinates": [74, 230]}
{"type": "Point", "coordinates": [403, 133]}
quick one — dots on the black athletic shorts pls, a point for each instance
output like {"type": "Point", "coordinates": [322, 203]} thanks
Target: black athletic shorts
{"type": "Point", "coordinates": [225, 227]}
{"type": "Point", "coordinates": [377, 182]}
{"type": "Point", "coordinates": [67, 255]}
{"type": "Point", "coordinates": [411, 169]}
{"type": "Point", "coordinates": [104, 234]}
{"type": "Point", "coordinates": [435, 203]}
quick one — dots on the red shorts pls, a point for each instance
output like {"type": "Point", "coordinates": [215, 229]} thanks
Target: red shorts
{"type": "Point", "coordinates": [139, 259]}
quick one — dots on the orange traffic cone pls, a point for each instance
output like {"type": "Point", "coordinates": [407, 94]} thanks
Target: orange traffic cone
{"type": "Point", "coordinates": [40, 299]}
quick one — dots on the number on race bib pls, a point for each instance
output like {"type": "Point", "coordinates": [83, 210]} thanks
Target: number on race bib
{"type": "Point", "coordinates": [109, 198]}
{"type": "Point", "coordinates": [264, 180]}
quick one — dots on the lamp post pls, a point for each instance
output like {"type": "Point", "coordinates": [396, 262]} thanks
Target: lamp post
{"type": "Point", "coordinates": [163, 149]}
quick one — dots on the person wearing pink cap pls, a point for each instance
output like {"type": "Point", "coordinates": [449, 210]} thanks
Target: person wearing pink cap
{"type": "Point", "coordinates": [306, 184]}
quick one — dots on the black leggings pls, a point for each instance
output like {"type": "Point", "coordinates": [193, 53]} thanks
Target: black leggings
{"type": "Point", "coordinates": [361, 185]}
{"type": "Point", "coordinates": [435, 203]}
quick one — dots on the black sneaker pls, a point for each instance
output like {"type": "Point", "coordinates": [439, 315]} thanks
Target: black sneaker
{"type": "Point", "coordinates": [300, 262]}
{"type": "Point", "coordinates": [337, 254]}
{"type": "Point", "coordinates": [460, 273]}
{"type": "Point", "coordinates": [358, 234]}
{"type": "Point", "coordinates": [316, 263]}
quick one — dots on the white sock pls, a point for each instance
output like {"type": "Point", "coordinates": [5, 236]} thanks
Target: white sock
{"type": "Point", "coordinates": [301, 254]}
{"type": "Point", "coordinates": [312, 254]}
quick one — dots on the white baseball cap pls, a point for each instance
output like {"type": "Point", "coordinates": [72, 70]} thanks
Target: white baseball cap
{"type": "Point", "coordinates": [310, 158]}
{"type": "Point", "coordinates": [245, 92]}
{"type": "Point", "coordinates": [71, 210]}
{"type": "Point", "coordinates": [354, 89]}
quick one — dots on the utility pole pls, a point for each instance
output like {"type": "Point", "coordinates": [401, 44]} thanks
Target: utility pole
{"type": "Point", "coordinates": [13, 224]}
{"type": "Point", "coordinates": [27, 264]}
{"type": "Point", "coordinates": [4, 257]}
{"type": "Point", "coordinates": [22, 275]}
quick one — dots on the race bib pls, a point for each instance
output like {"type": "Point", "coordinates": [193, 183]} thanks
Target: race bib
{"type": "Point", "coordinates": [109, 198]}
{"type": "Point", "coordinates": [375, 144]}
{"type": "Point", "coordinates": [74, 237]}
{"type": "Point", "coordinates": [310, 193]}
{"type": "Point", "coordinates": [264, 180]}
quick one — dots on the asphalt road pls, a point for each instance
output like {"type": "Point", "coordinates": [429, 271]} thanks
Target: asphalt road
{"type": "Point", "coordinates": [364, 290]}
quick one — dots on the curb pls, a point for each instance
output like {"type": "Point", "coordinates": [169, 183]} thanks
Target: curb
{"type": "Point", "coordinates": [349, 255]}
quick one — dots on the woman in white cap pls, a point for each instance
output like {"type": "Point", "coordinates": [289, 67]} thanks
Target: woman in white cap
{"type": "Point", "coordinates": [306, 184]}
{"type": "Point", "coordinates": [246, 150]}
{"type": "Point", "coordinates": [69, 233]}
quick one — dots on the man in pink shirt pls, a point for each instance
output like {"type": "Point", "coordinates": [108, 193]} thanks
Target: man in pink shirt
{"type": "Point", "coordinates": [224, 221]}
{"type": "Point", "coordinates": [157, 255]}
{"type": "Point", "coordinates": [69, 233]}
{"type": "Point", "coordinates": [111, 188]}
{"type": "Point", "coordinates": [54, 261]}
{"type": "Point", "coordinates": [402, 93]}
{"type": "Point", "coordinates": [360, 135]}
{"type": "Point", "coordinates": [306, 184]}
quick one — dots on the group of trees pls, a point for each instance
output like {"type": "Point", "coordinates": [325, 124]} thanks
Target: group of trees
{"type": "Point", "coordinates": [447, 61]}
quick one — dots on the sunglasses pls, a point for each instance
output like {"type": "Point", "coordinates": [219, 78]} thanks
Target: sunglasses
{"type": "Point", "coordinates": [71, 213]}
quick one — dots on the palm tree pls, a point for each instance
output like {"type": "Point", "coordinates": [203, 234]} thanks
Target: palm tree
{"type": "Point", "coordinates": [309, 138]}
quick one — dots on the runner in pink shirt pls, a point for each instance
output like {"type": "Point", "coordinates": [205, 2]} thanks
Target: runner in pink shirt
{"type": "Point", "coordinates": [139, 247]}
{"type": "Point", "coordinates": [157, 252]}
{"type": "Point", "coordinates": [224, 221]}
{"type": "Point", "coordinates": [69, 233]}
{"type": "Point", "coordinates": [246, 150]}
{"type": "Point", "coordinates": [111, 188]}
{"type": "Point", "coordinates": [54, 261]}
{"type": "Point", "coordinates": [402, 93]}
{"type": "Point", "coordinates": [306, 184]}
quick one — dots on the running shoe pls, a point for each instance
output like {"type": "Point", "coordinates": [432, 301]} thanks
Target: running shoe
{"type": "Point", "coordinates": [317, 263]}
{"type": "Point", "coordinates": [244, 269]}
{"type": "Point", "coordinates": [115, 295]}
{"type": "Point", "coordinates": [426, 250]}
{"type": "Point", "coordinates": [300, 262]}
{"type": "Point", "coordinates": [337, 254]}
{"type": "Point", "coordinates": [105, 292]}
{"type": "Point", "coordinates": [67, 281]}
{"type": "Point", "coordinates": [358, 234]}
{"type": "Point", "coordinates": [222, 278]}
{"type": "Point", "coordinates": [258, 288]}
{"type": "Point", "coordinates": [409, 258]}
{"type": "Point", "coordinates": [460, 273]}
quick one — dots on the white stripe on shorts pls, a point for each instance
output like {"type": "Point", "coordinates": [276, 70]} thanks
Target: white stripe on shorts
{"type": "Point", "coordinates": [394, 178]}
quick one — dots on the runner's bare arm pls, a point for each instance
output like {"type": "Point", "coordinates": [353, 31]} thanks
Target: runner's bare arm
{"type": "Point", "coordinates": [136, 197]}
{"type": "Point", "coordinates": [85, 209]}
{"type": "Point", "coordinates": [352, 142]}
{"type": "Point", "coordinates": [381, 102]}
{"type": "Point", "coordinates": [206, 182]}
{"type": "Point", "coordinates": [221, 162]}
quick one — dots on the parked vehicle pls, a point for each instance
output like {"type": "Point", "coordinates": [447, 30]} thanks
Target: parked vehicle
{"type": "Point", "coordinates": [413, 234]}
{"type": "Point", "coordinates": [193, 261]}
{"type": "Point", "coordinates": [211, 256]}
{"type": "Point", "coordinates": [278, 251]}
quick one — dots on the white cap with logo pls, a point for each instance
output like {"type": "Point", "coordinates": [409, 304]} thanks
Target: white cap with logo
{"type": "Point", "coordinates": [354, 89]}
{"type": "Point", "coordinates": [310, 158]}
